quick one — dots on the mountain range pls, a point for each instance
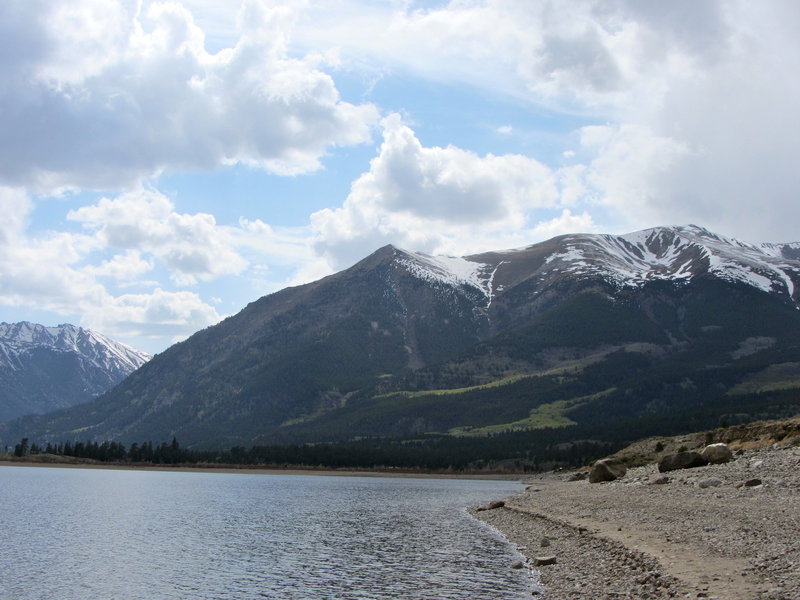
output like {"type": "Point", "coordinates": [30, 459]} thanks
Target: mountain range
{"type": "Point", "coordinates": [43, 369]}
{"type": "Point", "coordinates": [582, 337]}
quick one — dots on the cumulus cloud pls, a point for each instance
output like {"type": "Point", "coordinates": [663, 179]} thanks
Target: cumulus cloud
{"type": "Point", "coordinates": [50, 271]}
{"type": "Point", "coordinates": [159, 314]}
{"type": "Point", "coordinates": [15, 206]}
{"type": "Point", "coordinates": [566, 222]}
{"type": "Point", "coordinates": [625, 166]}
{"type": "Point", "coordinates": [125, 267]}
{"type": "Point", "coordinates": [193, 247]}
{"type": "Point", "coordinates": [439, 200]}
{"type": "Point", "coordinates": [711, 84]}
{"type": "Point", "coordinates": [99, 95]}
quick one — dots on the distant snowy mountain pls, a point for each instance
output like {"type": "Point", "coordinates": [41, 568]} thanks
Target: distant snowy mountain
{"type": "Point", "coordinates": [46, 368]}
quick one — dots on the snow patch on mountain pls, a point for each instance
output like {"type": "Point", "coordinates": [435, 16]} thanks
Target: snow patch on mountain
{"type": "Point", "coordinates": [677, 254]}
{"type": "Point", "coordinates": [448, 270]}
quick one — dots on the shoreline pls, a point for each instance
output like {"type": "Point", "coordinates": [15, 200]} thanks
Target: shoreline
{"type": "Point", "coordinates": [704, 534]}
{"type": "Point", "coordinates": [230, 469]}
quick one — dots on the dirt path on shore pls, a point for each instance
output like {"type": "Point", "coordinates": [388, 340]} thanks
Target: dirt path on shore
{"type": "Point", "coordinates": [704, 534]}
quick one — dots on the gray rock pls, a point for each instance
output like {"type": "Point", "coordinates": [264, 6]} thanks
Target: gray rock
{"type": "Point", "coordinates": [710, 482]}
{"type": "Point", "coordinates": [752, 482]}
{"type": "Point", "coordinates": [541, 561]}
{"type": "Point", "coordinates": [681, 460]}
{"type": "Point", "coordinates": [717, 453]}
{"type": "Point", "coordinates": [660, 481]}
{"type": "Point", "coordinates": [607, 469]}
{"type": "Point", "coordinates": [496, 504]}
{"type": "Point", "coordinates": [517, 564]}
{"type": "Point", "coordinates": [578, 476]}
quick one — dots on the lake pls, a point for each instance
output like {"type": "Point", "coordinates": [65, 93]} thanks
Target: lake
{"type": "Point", "coordinates": [96, 533]}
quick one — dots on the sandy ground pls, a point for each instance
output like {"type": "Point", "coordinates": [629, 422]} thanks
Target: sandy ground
{"type": "Point", "coordinates": [704, 534]}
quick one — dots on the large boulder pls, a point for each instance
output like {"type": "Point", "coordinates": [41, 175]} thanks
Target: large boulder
{"type": "Point", "coordinates": [681, 460]}
{"type": "Point", "coordinates": [717, 453]}
{"type": "Point", "coordinates": [607, 469]}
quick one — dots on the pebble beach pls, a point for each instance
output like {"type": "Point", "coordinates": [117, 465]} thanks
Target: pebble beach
{"type": "Point", "coordinates": [726, 531]}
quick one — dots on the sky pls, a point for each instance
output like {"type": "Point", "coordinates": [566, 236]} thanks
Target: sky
{"type": "Point", "coordinates": [163, 164]}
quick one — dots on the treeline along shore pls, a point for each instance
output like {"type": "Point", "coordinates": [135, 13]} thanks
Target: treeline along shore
{"type": "Point", "coordinates": [515, 452]}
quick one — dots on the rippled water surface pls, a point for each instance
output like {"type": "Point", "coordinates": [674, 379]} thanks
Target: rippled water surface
{"type": "Point", "coordinates": [85, 534]}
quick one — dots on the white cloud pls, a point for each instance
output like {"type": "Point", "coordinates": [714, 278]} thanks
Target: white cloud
{"type": "Point", "coordinates": [100, 96]}
{"type": "Point", "coordinates": [441, 200]}
{"type": "Point", "coordinates": [193, 247]}
{"type": "Point", "coordinates": [15, 206]}
{"type": "Point", "coordinates": [564, 223]}
{"type": "Point", "coordinates": [48, 271]}
{"type": "Point", "coordinates": [124, 267]}
{"type": "Point", "coordinates": [158, 314]}
{"type": "Point", "coordinates": [712, 84]}
{"type": "Point", "coordinates": [39, 270]}
{"type": "Point", "coordinates": [626, 164]}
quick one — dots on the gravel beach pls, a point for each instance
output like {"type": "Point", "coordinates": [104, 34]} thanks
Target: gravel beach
{"type": "Point", "coordinates": [729, 531]}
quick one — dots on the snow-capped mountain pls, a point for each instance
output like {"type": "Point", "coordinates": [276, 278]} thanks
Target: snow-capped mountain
{"type": "Point", "coordinates": [45, 368]}
{"type": "Point", "coordinates": [648, 323]}
{"type": "Point", "coordinates": [676, 254]}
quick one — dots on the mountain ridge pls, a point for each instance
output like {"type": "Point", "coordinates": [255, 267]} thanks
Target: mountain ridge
{"type": "Point", "coordinates": [670, 253]}
{"type": "Point", "coordinates": [47, 368]}
{"type": "Point", "coordinates": [665, 319]}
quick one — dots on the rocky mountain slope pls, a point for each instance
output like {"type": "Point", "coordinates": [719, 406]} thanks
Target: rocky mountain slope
{"type": "Point", "coordinates": [46, 368]}
{"type": "Point", "coordinates": [592, 336]}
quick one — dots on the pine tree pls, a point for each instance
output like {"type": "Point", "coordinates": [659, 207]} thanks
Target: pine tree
{"type": "Point", "coordinates": [21, 449]}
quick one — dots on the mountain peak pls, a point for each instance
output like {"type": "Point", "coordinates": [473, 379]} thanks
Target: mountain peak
{"type": "Point", "coordinates": [43, 368]}
{"type": "Point", "coordinates": [669, 253]}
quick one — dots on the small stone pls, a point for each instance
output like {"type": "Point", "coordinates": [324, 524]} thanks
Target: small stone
{"type": "Point", "coordinates": [578, 476]}
{"type": "Point", "coordinates": [660, 481]}
{"type": "Point", "coordinates": [710, 482]}
{"type": "Point", "coordinates": [545, 542]}
{"type": "Point", "coordinates": [517, 564]}
{"type": "Point", "coordinates": [496, 504]}
{"type": "Point", "coordinates": [752, 482]}
{"type": "Point", "coordinates": [541, 561]}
